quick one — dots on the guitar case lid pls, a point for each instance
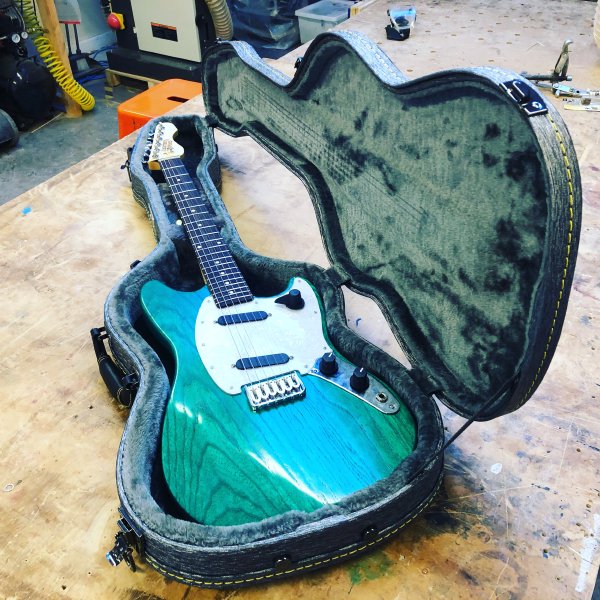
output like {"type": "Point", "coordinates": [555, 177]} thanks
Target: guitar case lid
{"type": "Point", "coordinates": [452, 200]}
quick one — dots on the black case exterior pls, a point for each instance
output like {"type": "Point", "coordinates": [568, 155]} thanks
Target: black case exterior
{"type": "Point", "coordinates": [532, 165]}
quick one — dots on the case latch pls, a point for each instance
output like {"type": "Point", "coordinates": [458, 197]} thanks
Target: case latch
{"type": "Point", "coordinates": [528, 99]}
{"type": "Point", "coordinates": [126, 541]}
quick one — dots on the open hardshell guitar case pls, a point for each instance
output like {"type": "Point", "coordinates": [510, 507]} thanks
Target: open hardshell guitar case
{"type": "Point", "coordinates": [453, 201]}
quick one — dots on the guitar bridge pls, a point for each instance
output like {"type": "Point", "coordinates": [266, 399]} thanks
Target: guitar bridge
{"type": "Point", "coordinates": [275, 390]}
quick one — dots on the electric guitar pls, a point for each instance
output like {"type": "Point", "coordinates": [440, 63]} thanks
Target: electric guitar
{"type": "Point", "coordinates": [264, 416]}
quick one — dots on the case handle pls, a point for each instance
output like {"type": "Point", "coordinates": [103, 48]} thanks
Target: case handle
{"type": "Point", "coordinates": [122, 386]}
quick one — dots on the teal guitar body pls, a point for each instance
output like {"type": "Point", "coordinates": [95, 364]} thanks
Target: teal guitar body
{"type": "Point", "coordinates": [264, 415]}
{"type": "Point", "coordinates": [227, 464]}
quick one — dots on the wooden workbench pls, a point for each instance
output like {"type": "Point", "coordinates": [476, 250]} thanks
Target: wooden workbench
{"type": "Point", "coordinates": [519, 511]}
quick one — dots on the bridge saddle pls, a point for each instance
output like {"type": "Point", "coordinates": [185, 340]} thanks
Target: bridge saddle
{"type": "Point", "coordinates": [275, 390]}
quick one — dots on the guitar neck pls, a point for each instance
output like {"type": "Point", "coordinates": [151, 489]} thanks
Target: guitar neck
{"type": "Point", "coordinates": [225, 281]}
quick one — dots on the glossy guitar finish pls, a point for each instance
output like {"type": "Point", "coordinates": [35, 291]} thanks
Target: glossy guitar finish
{"type": "Point", "coordinates": [227, 464]}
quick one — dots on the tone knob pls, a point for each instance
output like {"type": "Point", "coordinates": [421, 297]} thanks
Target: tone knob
{"type": "Point", "coordinates": [359, 381]}
{"type": "Point", "coordinates": [293, 300]}
{"type": "Point", "coordinates": [328, 365]}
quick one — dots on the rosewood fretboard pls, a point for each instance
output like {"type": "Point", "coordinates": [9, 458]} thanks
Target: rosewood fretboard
{"type": "Point", "coordinates": [224, 279]}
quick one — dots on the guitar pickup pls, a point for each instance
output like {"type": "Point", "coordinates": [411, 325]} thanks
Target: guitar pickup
{"type": "Point", "coordinates": [240, 318]}
{"type": "Point", "coordinates": [275, 390]}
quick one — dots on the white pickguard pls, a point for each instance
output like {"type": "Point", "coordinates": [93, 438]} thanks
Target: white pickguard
{"type": "Point", "coordinates": [297, 333]}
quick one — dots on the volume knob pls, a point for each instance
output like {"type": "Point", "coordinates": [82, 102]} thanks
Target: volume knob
{"type": "Point", "coordinates": [359, 381]}
{"type": "Point", "coordinates": [328, 365]}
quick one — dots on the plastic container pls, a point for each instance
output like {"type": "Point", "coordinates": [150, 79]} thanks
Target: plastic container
{"type": "Point", "coordinates": [321, 16]}
{"type": "Point", "coordinates": [269, 26]}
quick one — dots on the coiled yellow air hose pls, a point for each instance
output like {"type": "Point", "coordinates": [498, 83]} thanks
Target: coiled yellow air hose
{"type": "Point", "coordinates": [62, 76]}
{"type": "Point", "coordinates": [221, 17]}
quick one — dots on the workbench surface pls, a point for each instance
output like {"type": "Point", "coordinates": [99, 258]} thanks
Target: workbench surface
{"type": "Point", "coordinates": [519, 511]}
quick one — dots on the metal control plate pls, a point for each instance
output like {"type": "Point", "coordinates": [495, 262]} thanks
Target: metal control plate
{"type": "Point", "coordinates": [373, 395]}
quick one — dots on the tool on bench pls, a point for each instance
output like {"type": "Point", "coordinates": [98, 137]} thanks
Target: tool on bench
{"type": "Point", "coordinates": [560, 89]}
{"type": "Point", "coordinates": [402, 20]}
{"type": "Point", "coordinates": [585, 103]}
{"type": "Point", "coordinates": [580, 99]}
{"type": "Point", "coordinates": [559, 73]}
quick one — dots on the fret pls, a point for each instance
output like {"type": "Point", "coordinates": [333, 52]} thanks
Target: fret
{"type": "Point", "coordinates": [231, 295]}
{"type": "Point", "coordinates": [207, 242]}
{"type": "Point", "coordinates": [192, 212]}
{"type": "Point", "coordinates": [231, 289]}
{"type": "Point", "coordinates": [224, 272]}
{"type": "Point", "coordinates": [226, 282]}
{"type": "Point", "coordinates": [196, 209]}
{"type": "Point", "coordinates": [217, 256]}
{"type": "Point", "coordinates": [200, 231]}
{"type": "Point", "coordinates": [231, 275]}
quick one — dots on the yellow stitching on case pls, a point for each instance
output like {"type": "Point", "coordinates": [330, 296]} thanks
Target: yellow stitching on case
{"type": "Point", "coordinates": [568, 253]}
{"type": "Point", "coordinates": [150, 560]}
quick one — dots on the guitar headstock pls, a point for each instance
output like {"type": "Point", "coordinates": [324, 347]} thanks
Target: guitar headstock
{"type": "Point", "coordinates": [162, 146]}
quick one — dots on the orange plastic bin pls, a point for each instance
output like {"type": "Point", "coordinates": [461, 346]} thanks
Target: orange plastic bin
{"type": "Point", "coordinates": [155, 101]}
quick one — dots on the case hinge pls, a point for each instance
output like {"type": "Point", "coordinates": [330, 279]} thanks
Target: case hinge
{"type": "Point", "coordinates": [428, 384]}
{"type": "Point", "coordinates": [336, 278]}
{"type": "Point", "coordinates": [126, 541]}
{"type": "Point", "coordinates": [528, 99]}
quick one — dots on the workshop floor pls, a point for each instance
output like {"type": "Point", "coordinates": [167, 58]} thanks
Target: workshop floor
{"type": "Point", "coordinates": [51, 147]}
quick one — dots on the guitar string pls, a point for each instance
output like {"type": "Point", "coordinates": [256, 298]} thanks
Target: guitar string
{"type": "Point", "coordinates": [202, 246]}
{"type": "Point", "coordinates": [242, 338]}
{"type": "Point", "coordinates": [224, 294]}
{"type": "Point", "coordinates": [173, 173]}
{"type": "Point", "coordinates": [247, 341]}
